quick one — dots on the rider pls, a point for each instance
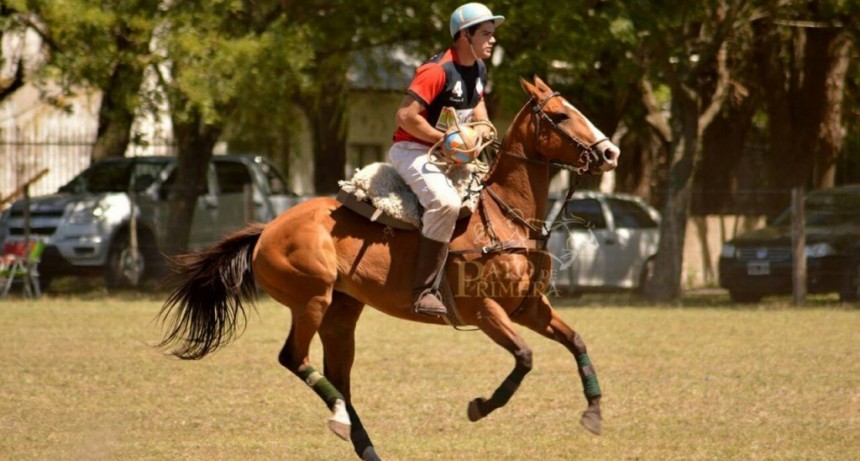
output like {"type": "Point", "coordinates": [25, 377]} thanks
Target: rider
{"type": "Point", "coordinates": [455, 78]}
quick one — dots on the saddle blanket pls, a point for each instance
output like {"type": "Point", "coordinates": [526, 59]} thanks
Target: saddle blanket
{"type": "Point", "coordinates": [380, 185]}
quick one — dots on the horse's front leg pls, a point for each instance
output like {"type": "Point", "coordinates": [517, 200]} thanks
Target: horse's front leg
{"type": "Point", "coordinates": [542, 318]}
{"type": "Point", "coordinates": [495, 323]}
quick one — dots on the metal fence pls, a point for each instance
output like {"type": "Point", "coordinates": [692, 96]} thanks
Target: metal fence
{"type": "Point", "coordinates": [24, 152]}
{"type": "Point", "coordinates": [64, 151]}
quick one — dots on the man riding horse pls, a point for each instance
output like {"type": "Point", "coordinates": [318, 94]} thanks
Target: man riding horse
{"type": "Point", "coordinates": [455, 78]}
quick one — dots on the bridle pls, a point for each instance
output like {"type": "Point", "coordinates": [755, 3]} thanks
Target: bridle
{"type": "Point", "coordinates": [589, 160]}
{"type": "Point", "coordinates": [540, 234]}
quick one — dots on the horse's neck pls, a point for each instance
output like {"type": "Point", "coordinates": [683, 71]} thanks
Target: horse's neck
{"type": "Point", "coordinates": [522, 185]}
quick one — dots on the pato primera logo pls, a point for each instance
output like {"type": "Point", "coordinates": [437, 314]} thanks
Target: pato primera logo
{"type": "Point", "coordinates": [576, 232]}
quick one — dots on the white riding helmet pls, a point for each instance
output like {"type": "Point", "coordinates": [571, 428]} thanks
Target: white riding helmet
{"type": "Point", "coordinates": [470, 14]}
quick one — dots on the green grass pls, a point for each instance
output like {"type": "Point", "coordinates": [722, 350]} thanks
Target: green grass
{"type": "Point", "coordinates": [706, 381]}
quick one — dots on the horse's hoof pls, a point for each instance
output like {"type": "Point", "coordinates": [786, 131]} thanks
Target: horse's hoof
{"type": "Point", "coordinates": [591, 421]}
{"type": "Point", "coordinates": [339, 422]}
{"type": "Point", "coordinates": [340, 429]}
{"type": "Point", "coordinates": [370, 455]}
{"type": "Point", "coordinates": [475, 412]}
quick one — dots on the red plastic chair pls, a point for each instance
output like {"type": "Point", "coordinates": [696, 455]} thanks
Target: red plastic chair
{"type": "Point", "coordinates": [21, 261]}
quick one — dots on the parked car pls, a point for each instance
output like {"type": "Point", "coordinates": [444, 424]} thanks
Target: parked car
{"type": "Point", "coordinates": [86, 224]}
{"type": "Point", "coordinates": [759, 263]}
{"type": "Point", "coordinates": [603, 242]}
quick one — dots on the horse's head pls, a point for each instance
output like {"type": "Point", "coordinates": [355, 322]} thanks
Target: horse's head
{"type": "Point", "coordinates": [563, 134]}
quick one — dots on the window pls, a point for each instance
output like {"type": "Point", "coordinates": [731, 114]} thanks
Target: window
{"type": "Point", "coordinates": [232, 177]}
{"type": "Point", "coordinates": [115, 176]}
{"type": "Point", "coordinates": [584, 214]}
{"type": "Point", "coordinates": [628, 214]}
{"type": "Point", "coordinates": [277, 184]}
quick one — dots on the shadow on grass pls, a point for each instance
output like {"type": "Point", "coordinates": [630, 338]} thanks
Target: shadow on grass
{"type": "Point", "coordinates": [707, 298]}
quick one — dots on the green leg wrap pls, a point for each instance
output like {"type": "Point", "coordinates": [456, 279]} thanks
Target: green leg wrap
{"type": "Point", "coordinates": [321, 386]}
{"type": "Point", "coordinates": [588, 376]}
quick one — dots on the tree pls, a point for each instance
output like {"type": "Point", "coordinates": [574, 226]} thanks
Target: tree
{"type": "Point", "coordinates": [338, 32]}
{"type": "Point", "coordinates": [93, 46]}
{"type": "Point", "coordinates": [10, 23]}
{"type": "Point", "coordinates": [218, 58]}
{"type": "Point", "coordinates": [804, 51]}
{"type": "Point", "coordinates": [684, 46]}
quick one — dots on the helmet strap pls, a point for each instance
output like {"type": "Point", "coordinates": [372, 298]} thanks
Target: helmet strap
{"type": "Point", "coordinates": [471, 46]}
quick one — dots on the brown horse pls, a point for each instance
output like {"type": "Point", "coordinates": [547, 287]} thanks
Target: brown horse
{"type": "Point", "coordinates": [326, 263]}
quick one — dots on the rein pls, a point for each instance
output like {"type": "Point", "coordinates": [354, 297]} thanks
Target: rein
{"type": "Point", "coordinates": [541, 232]}
{"type": "Point", "coordinates": [587, 156]}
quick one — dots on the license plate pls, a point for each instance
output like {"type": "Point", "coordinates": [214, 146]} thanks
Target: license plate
{"type": "Point", "coordinates": [758, 268]}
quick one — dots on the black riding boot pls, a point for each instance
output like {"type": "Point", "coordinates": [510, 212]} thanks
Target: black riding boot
{"type": "Point", "coordinates": [431, 259]}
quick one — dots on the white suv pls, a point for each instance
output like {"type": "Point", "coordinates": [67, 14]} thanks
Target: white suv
{"type": "Point", "coordinates": [603, 242]}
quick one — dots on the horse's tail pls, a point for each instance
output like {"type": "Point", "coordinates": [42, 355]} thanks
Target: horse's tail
{"type": "Point", "coordinates": [207, 310]}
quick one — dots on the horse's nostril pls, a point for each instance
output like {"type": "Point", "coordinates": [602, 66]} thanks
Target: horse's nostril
{"type": "Point", "coordinates": [610, 154]}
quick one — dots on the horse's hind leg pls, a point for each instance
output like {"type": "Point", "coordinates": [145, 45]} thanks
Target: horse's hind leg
{"type": "Point", "coordinates": [494, 322]}
{"type": "Point", "coordinates": [295, 357]}
{"type": "Point", "coordinates": [337, 333]}
{"type": "Point", "coordinates": [542, 318]}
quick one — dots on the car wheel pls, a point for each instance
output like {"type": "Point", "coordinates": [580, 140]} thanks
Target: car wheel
{"type": "Point", "coordinates": [125, 267]}
{"type": "Point", "coordinates": [851, 288]}
{"type": "Point", "coordinates": [745, 296]}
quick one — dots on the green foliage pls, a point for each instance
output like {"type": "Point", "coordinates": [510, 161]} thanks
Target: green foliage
{"type": "Point", "coordinates": [83, 37]}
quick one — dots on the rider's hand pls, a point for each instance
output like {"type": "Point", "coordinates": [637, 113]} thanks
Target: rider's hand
{"type": "Point", "coordinates": [485, 132]}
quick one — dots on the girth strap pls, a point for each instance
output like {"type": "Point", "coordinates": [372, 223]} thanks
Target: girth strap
{"type": "Point", "coordinates": [510, 245]}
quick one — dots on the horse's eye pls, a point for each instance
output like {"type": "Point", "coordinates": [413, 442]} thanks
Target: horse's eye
{"type": "Point", "coordinates": [558, 118]}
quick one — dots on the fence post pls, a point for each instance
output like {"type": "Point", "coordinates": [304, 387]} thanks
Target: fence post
{"type": "Point", "coordinates": [798, 243]}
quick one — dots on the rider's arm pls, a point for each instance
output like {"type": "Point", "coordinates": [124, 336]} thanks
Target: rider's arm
{"type": "Point", "coordinates": [410, 119]}
{"type": "Point", "coordinates": [479, 113]}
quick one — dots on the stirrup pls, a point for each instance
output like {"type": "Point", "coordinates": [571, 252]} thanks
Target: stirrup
{"type": "Point", "coordinates": [430, 310]}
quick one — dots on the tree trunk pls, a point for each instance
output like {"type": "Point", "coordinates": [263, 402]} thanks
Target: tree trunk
{"type": "Point", "coordinates": [327, 113]}
{"type": "Point", "coordinates": [804, 104]}
{"type": "Point", "coordinates": [195, 141]}
{"type": "Point", "coordinates": [724, 154]}
{"type": "Point", "coordinates": [120, 98]}
{"type": "Point", "coordinates": [684, 153]}
{"type": "Point", "coordinates": [830, 129]}
{"type": "Point", "coordinates": [117, 112]}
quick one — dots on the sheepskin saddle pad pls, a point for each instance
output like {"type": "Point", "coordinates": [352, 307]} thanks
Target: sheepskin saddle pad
{"type": "Point", "coordinates": [379, 193]}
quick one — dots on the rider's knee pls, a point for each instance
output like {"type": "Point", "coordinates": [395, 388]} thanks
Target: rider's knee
{"type": "Point", "coordinates": [448, 204]}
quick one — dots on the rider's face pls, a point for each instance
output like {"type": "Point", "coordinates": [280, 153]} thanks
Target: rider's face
{"type": "Point", "coordinates": [484, 39]}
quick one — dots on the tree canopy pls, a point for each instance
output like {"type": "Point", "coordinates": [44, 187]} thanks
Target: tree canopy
{"type": "Point", "coordinates": [687, 87]}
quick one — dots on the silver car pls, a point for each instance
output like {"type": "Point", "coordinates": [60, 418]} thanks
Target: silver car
{"type": "Point", "coordinates": [86, 224]}
{"type": "Point", "coordinates": [602, 242]}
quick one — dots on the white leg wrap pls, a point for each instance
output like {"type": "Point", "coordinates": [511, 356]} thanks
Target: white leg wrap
{"type": "Point", "coordinates": [339, 422]}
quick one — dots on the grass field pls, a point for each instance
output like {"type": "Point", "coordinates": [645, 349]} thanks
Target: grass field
{"type": "Point", "coordinates": [80, 381]}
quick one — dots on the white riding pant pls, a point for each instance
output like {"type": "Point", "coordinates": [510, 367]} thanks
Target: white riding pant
{"type": "Point", "coordinates": [435, 191]}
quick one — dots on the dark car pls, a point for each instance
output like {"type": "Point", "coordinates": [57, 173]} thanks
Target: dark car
{"type": "Point", "coordinates": [759, 263]}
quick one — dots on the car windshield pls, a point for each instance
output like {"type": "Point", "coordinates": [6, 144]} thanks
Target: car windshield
{"type": "Point", "coordinates": [114, 176]}
{"type": "Point", "coordinates": [827, 209]}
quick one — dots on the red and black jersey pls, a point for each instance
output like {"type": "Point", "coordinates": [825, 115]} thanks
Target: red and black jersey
{"type": "Point", "coordinates": [442, 82]}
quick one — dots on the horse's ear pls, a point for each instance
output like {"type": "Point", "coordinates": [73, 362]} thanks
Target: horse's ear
{"type": "Point", "coordinates": [541, 85]}
{"type": "Point", "coordinates": [528, 87]}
